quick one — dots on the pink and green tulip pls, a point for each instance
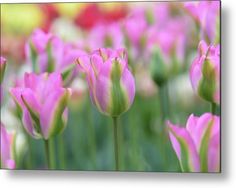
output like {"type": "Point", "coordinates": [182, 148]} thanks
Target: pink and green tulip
{"type": "Point", "coordinates": [111, 84]}
{"type": "Point", "coordinates": [43, 103]}
{"type": "Point", "coordinates": [7, 159]}
{"type": "Point", "coordinates": [198, 145]}
{"type": "Point", "coordinates": [205, 72]}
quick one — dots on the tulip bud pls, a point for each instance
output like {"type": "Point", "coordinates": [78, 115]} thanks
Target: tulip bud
{"type": "Point", "coordinates": [111, 84]}
{"type": "Point", "coordinates": [2, 68]}
{"type": "Point", "coordinates": [43, 102]}
{"type": "Point", "coordinates": [6, 153]}
{"type": "Point", "coordinates": [198, 145]}
{"type": "Point", "coordinates": [205, 72]}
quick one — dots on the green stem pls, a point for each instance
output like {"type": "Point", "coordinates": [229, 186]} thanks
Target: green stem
{"type": "Point", "coordinates": [52, 153]}
{"type": "Point", "coordinates": [47, 153]}
{"type": "Point", "coordinates": [116, 141]}
{"type": "Point", "coordinates": [61, 152]}
{"type": "Point", "coordinates": [92, 137]}
{"type": "Point", "coordinates": [164, 102]}
{"type": "Point", "coordinates": [213, 108]}
{"type": "Point", "coordinates": [30, 161]}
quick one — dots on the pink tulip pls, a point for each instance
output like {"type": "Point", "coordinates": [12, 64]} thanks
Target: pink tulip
{"type": "Point", "coordinates": [206, 14]}
{"type": "Point", "coordinates": [166, 49]}
{"type": "Point", "coordinates": [135, 26]}
{"type": "Point", "coordinates": [7, 160]}
{"type": "Point", "coordinates": [48, 53]}
{"type": "Point", "coordinates": [111, 84]}
{"type": "Point", "coordinates": [43, 102]}
{"type": "Point", "coordinates": [205, 72]}
{"type": "Point", "coordinates": [2, 68]}
{"type": "Point", "coordinates": [198, 145]}
{"type": "Point", "coordinates": [109, 36]}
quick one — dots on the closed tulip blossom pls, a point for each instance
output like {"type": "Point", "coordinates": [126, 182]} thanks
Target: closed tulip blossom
{"type": "Point", "coordinates": [7, 159]}
{"type": "Point", "coordinates": [111, 84]}
{"type": "Point", "coordinates": [205, 72]}
{"type": "Point", "coordinates": [43, 103]}
{"type": "Point", "coordinates": [198, 145]}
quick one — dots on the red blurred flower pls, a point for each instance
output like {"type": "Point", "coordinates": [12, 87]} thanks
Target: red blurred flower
{"type": "Point", "coordinates": [92, 15]}
{"type": "Point", "coordinates": [51, 13]}
{"type": "Point", "coordinates": [89, 16]}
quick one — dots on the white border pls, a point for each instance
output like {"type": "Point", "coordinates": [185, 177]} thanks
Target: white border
{"type": "Point", "coordinates": [42, 179]}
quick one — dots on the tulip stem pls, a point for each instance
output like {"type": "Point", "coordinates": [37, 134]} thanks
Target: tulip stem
{"type": "Point", "coordinates": [213, 108]}
{"type": "Point", "coordinates": [164, 102]}
{"type": "Point", "coordinates": [61, 152]}
{"type": "Point", "coordinates": [116, 146]}
{"type": "Point", "coordinates": [47, 153]}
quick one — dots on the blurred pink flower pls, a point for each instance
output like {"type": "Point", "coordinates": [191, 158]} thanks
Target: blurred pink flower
{"type": "Point", "coordinates": [206, 14]}
{"type": "Point", "coordinates": [135, 26]}
{"type": "Point", "coordinates": [205, 72]}
{"type": "Point", "coordinates": [43, 102]}
{"type": "Point", "coordinates": [7, 160]}
{"type": "Point", "coordinates": [111, 84]}
{"type": "Point", "coordinates": [198, 145]}
{"type": "Point", "coordinates": [48, 53]}
{"type": "Point", "coordinates": [166, 49]}
{"type": "Point", "coordinates": [105, 36]}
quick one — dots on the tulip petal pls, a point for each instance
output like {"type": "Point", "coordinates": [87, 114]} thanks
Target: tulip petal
{"type": "Point", "coordinates": [96, 63]}
{"type": "Point", "coordinates": [184, 148]}
{"type": "Point", "coordinates": [102, 99]}
{"type": "Point", "coordinates": [30, 101]}
{"type": "Point", "coordinates": [214, 153]}
{"type": "Point", "coordinates": [51, 115]}
{"type": "Point", "coordinates": [52, 83]}
{"type": "Point", "coordinates": [196, 73]}
{"type": "Point", "coordinates": [197, 126]}
{"type": "Point", "coordinates": [211, 129]}
{"type": "Point", "coordinates": [128, 85]}
{"type": "Point", "coordinates": [83, 62]}
{"type": "Point", "coordinates": [30, 126]}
